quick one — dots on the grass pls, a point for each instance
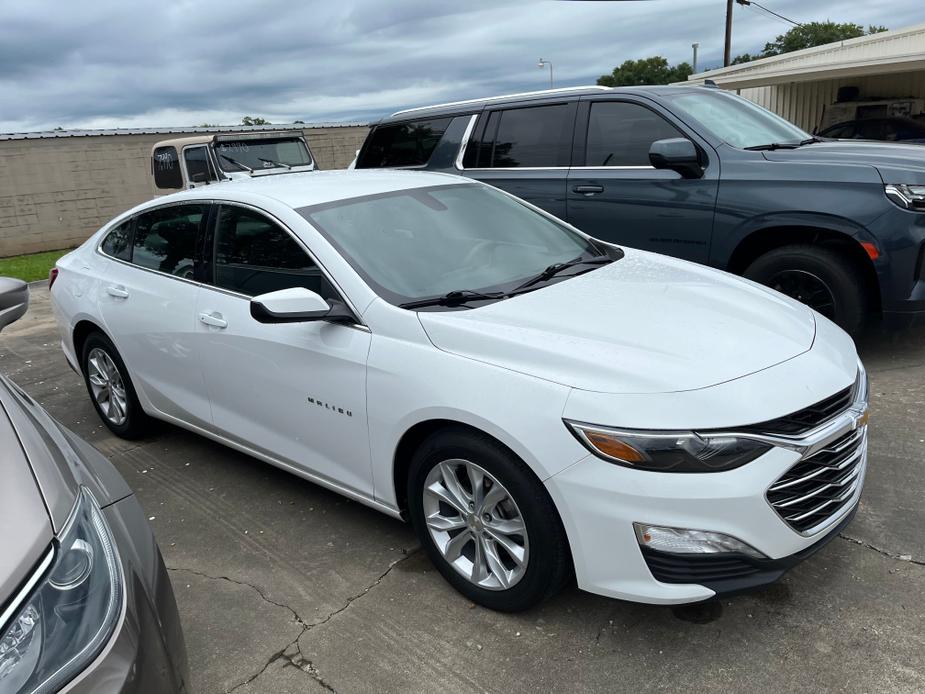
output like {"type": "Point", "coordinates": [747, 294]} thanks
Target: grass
{"type": "Point", "coordinates": [30, 268]}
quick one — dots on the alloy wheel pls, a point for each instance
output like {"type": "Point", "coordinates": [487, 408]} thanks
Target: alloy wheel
{"type": "Point", "coordinates": [475, 524]}
{"type": "Point", "coordinates": [107, 386]}
{"type": "Point", "coordinates": [806, 288]}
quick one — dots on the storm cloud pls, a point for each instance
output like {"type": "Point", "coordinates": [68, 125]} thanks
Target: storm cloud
{"type": "Point", "coordinates": [101, 63]}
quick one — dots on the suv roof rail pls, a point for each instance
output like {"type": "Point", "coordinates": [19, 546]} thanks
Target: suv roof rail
{"type": "Point", "coordinates": [486, 99]}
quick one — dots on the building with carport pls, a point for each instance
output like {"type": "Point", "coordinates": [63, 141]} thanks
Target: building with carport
{"type": "Point", "coordinates": [874, 76]}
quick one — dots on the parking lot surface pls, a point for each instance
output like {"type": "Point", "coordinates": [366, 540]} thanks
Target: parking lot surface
{"type": "Point", "coordinates": [286, 587]}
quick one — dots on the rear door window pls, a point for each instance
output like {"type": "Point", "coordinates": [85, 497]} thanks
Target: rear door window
{"type": "Point", "coordinates": [166, 239]}
{"type": "Point", "coordinates": [118, 242]}
{"type": "Point", "coordinates": [166, 168]}
{"type": "Point", "coordinates": [403, 144]}
{"type": "Point", "coordinates": [536, 137]}
{"type": "Point", "coordinates": [254, 255]}
{"type": "Point", "coordinates": [620, 133]}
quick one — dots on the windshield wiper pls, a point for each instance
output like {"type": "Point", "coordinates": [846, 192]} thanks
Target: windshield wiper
{"type": "Point", "coordinates": [774, 145]}
{"type": "Point", "coordinates": [275, 163]}
{"type": "Point", "coordinates": [454, 298]}
{"type": "Point", "coordinates": [236, 163]}
{"type": "Point", "coordinates": [556, 268]}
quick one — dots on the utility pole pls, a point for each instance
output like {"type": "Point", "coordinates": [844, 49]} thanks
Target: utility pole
{"type": "Point", "coordinates": [727, 52]}
{"type": "Point", "coordinates": [695, 46]}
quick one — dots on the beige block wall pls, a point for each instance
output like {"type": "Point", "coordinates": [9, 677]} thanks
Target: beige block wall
{"type": "Point", "coordinates": [55, 192]}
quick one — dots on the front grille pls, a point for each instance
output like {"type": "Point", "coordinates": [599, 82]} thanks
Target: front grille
{"type": "Point", "coordinates": [806, 419]}
{"type": "Point", "coordinates": [820, 486]}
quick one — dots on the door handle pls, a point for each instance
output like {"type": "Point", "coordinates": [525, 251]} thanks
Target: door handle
{"type": "Point", "coordinates": [214, 320]}
{"type": "Point", "coordinates": [588, 190]}
{"type": "Point", "coordinates": [119, 292]}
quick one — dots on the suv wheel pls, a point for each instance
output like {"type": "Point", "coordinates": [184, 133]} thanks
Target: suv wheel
{"type": "Point", "coordinates": [820, 277]}
{"type": "Point", "coordinates": [110, 388]}
{"type": "Point", "coordinates": [486, 521]}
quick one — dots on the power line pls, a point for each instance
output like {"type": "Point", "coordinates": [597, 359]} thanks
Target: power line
{"type": "Point", "coordinates": [766, 15]}
{"type": "Point", "coordinates": [747, 3]}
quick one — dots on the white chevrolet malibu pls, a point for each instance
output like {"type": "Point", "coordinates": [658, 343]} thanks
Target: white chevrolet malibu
{"type": "Point", "coordinates": [537, 403]}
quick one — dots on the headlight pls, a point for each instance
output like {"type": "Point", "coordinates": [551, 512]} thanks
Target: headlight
{"type": "Point", "coordinates": [912, 197]}
{"type": "Point", "coordinates": [682, 451]}
{"type": "Point", "coordinates": [67, 617]}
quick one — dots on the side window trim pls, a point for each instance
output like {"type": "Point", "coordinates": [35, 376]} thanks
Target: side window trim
{"type": "Point", "coordinates": [211, 250]}
{"type": "Point", "coordinates": [581, 147]}
{"type": "Point", "coordinates": [134, 218]}
{"type": "Point", "coordinates": [485, 119]}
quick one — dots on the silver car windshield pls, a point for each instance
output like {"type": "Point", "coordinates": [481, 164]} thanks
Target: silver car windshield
{"type": "Point", "coordinates": [735, 120]}
{"type": "Point", "coordinates": [426, 242]}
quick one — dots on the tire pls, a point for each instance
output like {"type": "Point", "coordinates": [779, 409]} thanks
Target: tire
{"type": "Point", "coordinates": [104, 372]}
{"type": "Point", "coordinates": [807, 273]}
{"type": "Point", "coordinates": [515, 499]}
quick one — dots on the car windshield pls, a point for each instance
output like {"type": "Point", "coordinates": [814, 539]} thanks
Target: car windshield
{"type": "Point", "coordinates": [427, 242]}
{"type": "Point", "coordinates": [735, 120]}
{"type": "Point", "coordinates": [261, 154]}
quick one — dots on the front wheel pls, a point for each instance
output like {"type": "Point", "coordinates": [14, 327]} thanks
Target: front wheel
{"type": "Point", "coordinates": [486, 521]}
{"type": "Point", "coordinates": [822, 278]}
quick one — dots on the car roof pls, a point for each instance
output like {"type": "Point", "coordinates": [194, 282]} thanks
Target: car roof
{"type": "Point", "coordinates": [475, 105]}
{"type": "Point", "coordinates": [316, 187]}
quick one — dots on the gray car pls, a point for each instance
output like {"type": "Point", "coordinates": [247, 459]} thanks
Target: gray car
{"type": "Point", "coordinates": [85, 600]}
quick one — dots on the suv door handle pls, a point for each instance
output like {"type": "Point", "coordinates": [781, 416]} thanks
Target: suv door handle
{"type": "Point", "coordinates": [119, 292]}
{"type": "Point", "coordinates": [588, 190]}
{"type": "Point", "coordinates": [214, 320]}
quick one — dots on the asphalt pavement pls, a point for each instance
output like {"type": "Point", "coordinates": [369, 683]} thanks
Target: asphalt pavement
{"type": "Point", "coordinates": [286, 587]}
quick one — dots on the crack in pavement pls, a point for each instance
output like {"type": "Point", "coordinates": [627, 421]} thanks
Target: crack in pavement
{"type": "Point", "coordinates": [898, 557]}
{"type": "Point", "coordinates": [297, 659]}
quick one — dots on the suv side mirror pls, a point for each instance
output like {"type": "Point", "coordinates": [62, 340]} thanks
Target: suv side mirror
{"type": "Point", "coordinates": [297, 305]}
{"type": "Point", "coordinates": [14, 300]}
{"type": "Point", "coordinates": [199, 177]}
{"type": "Point", "coordinates": [678, 154]}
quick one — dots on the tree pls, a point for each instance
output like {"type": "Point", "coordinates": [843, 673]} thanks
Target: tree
{"type": "Point", "coordinates": [809, 35]}
{"type": "Point", "coordinates": [248, 120]}
{"type": "Point", "coordinates": [654, 70]}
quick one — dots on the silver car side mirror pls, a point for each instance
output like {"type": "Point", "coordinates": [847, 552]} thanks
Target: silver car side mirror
{"type": "Point", "coordinates": [14, 300]}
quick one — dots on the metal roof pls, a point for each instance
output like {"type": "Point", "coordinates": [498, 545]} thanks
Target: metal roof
{"type": "Point", "coordinates": [902, 50]}
{"type": "Point", "coordinates": [107, 132]}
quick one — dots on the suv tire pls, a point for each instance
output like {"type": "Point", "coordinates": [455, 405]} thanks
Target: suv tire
{"type": "Point", "coordinates": [820, 277]}
{"type": "Point", "coordinates": [473, 538]}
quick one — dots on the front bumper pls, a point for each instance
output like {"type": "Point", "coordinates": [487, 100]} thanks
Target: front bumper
{"type": "Point", "coordinates": [599, 502]}
{"type": "Point", "coordinates": [146, 654]}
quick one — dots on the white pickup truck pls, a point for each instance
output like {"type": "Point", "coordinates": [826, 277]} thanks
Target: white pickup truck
{"type": "Point", "coordinates": [189, 162]}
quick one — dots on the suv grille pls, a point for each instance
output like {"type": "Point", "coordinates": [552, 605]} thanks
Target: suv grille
{"type": "Point", "coordinates": [818, 487]}
{"type": "Point", "coordinates": [806, 419]}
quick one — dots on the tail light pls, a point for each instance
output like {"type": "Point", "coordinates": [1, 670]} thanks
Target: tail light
{"type": "Point", "coordinates": [52, 276]}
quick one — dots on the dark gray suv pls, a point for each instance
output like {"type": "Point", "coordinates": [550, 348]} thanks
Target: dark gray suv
{"type": "Point", "coordinates": [698, 173]}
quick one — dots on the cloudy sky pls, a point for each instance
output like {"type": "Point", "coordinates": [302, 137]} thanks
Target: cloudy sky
{"type": "Point", "coordinates": [108, 63]}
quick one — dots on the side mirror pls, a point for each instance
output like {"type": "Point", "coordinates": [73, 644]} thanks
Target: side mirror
{"type": "Point", "coordinates": [14, 300]}
{"type": "Point", "coordinates": [199, 177]}
{"type": "Point", "coordinates": [297, 305]}
{"type": "Point", "coordinates": [678, 154]}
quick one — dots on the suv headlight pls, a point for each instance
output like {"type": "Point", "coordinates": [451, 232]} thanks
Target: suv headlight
{"type": "Point", "coordinates": [71, 609]}
{"type": "Point", "coordinates": [668, 451]}
{"type": "Point", "coordinates": [911, 197]}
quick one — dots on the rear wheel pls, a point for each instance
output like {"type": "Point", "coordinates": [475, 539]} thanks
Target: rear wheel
{"type": "Point", "coordinates": [820, 277]}
{"type": "Point", "coordinates": [486, 521]}
{"type": "Point", "coordinates": [110, 388]}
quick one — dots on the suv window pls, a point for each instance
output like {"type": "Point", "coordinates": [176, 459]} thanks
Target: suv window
{"type": "Point", "coordinates": [198, 166]}
{"type": "Point", "coordinates": [165, 239]}
{"type": "Point", "coordinates": [403, 144]}
{"type": "Point", "coordinates": [620, 134]}
{"type": "Point", "coordinates": [166, 167]}
{"type": "Point", "coordinates": [118, 243]}
{"type": "Point", "coordinates": [254, 255]}
{"type": "Point", "coordinates": [537, 136]}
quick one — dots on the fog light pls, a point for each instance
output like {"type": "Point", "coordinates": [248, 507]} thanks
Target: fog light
{"type": "Point", "coordinates": [682, 541]}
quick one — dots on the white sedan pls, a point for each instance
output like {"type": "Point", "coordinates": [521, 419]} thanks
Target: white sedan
{"type": "Point", "coordinates": [537, 403]}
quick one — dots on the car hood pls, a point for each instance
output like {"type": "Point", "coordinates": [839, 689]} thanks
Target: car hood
{"type": "Point", "coordinates": [896, 162]}
{"type": "Point", "coordinates": [643, 324]}
{"type": "Point", "coordinates": [25, 528]}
